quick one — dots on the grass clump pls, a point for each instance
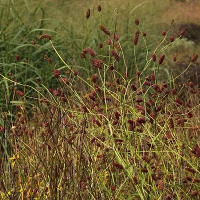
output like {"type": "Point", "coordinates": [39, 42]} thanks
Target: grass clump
{"type": "Point", "coordinates": [114, 130]}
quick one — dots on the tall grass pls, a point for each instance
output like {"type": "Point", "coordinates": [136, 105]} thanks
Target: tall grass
{"type": "Point", "coordinates": [96, 116]}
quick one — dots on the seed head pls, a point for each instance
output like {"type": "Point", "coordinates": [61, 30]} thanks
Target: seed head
{"type": "Point", "coordinates": [113, 188]}
{"type": "Point", "coordinates": [136, 37]}
{"type": "Point", "coordinates": [192, 91]}
{"type": "Point", "coordinates": [94, 78]}
{"type": "Point", "coordinates": [88, 14]}
{"type": "Point", "coordinates": [90, 51]}
{"type": "Point", "coordinates": [146, 159]}
{"type": "Point", "coordinates": [147, 83]}
{"type": "Point", "coordinates": [156, 87]}
{"type": "Point", "coordinates": [139, 92]}
{"type": "Point", "coordinates": [137, 22]}
{"type": "Point", "coordinates": [56, 73]}
{"type": "Point", "coordinates": [133, 87]}
{"type": "Point", "coordinates": [196, 151]}
{"type": "Point", "coordinates": [191, 84]}
{"type": "Point", "coordinates": [181, 122]}
{"type": "Point", "coordinates": [140, 108]}
{"type": "Point", "coordinates": [84, 108]}
{"type": "Point", "coordinates": [168, 197]}
{"type": "Point", "coordinates": [63, 99]}
{"type": "Point", "coordinates": [154, 57]}
{"type": "Point", "coordinates": [140, 120]}
{"type": "Point", "coordinates": [117, 81]}
{"type": "Point", "coordinates": [123, 90]}
{"type": "Point", "coordinates": [162, 57]}
{"type": "Point", "coordinates": [111, 67]}
{"type": "Point", "coordinates": [116, 37]}
{"type": "Point", "coordinates": [117, 165]}
{"type": "Point", "coordinates": [109, 41]}
{"type": "Point", "coordinates": [144, 170]}
{"type": "Point", "coordinates": [171, 123]}
{"type": "Point", "coordinates": [115, 55]}
{"type": "Point", "coordinates": [179, 102]}
{"type": "Point", "coordinates": [46, 57]}
{"type": "Point", "coordinates": [163, 33]}
{"type": "Point", "coordinates": [131, 127]}
{"type": "Point", "coordinates": [99, 8]}
{"type": "Point", "coordinates": [194, 58]}
{"type": "Point", "coordinates": [182, 33]}
{"type": "Point", "coordinates": [2, 129]}
{"type": "Point", "coordinates": [46, 36]}
{"type": "Point", "coordinates": [17, 57]}
{"type": "Point", "coordinates": [138, 74]}
{"type": "Point", "coordinates": [131, 122]}
{"type": "Point", "coordinates": [117, 115]}
{"type": "Point", "coordinates": [188, 178]}
{"type": "Point", "coordinates": [100, 45]}
{"type": "Point", "coordinates": [135, 180]}
{"type": "Point", "coordinates": [20, 93]}
{"type": "Point", "coordinates": [83, 185]}
{"type": "Point", "coordinates": [171, 38]}
{"type": "Point", "coordinates": [173, 91]}
{"type": "Point", "coordinates": [75, 72]}
{"type": "Point", "coordinates": [118, 47]}
{"type": "Point", "coordinates": [115, 122]}
{"type": "Point", "coordinates": [83, 55]}
{"type": "Point", "coordinates": [196, 180]}
{"type": "Point", "coordinates": [160, 185]}
{"type": "Point", "coordinates": [98, 63]}
{"type": "Point", "coordinates": [153, 77]}
{"type": "Point", "coordinates": [174, 58]}
{"type": "Point", "coordinates": [32, 42]}
{"type": "Point", "coordinates": [189, 169]}
{"type": "Point", "coordinates": [104, 30]}
{"type": "Point", "coordinates": [97, 123]}
{"type": "Point", "coordinates": [169, 135]}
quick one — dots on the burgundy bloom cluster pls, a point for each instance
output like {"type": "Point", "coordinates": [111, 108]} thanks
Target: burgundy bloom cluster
{"type": "Point", "coordinates": [88, 50]}
{"type": "Point", "coordinates": [88, 13]}
{"type": "Point", "coordinates": [56, 73]}
{"type": "Point", "coordinates": [45, 36]}
{"type": "Point", "coordinates": [97, 63]}
{"type": "Point", "coordinates": [137, 33]}
{"type": "Point", "coordinates": [102, 28]}
{"type": "Point", "coordinates": [115, 55]}
{"type": "Point", "coordinates": [19, 93]}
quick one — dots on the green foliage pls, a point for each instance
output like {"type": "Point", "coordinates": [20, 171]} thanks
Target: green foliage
{"type": "Point", "coordinates": [74, 128]}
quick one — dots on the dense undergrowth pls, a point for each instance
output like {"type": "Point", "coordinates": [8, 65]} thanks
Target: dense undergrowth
{"type": "Point", "coordinates": [113, 124]}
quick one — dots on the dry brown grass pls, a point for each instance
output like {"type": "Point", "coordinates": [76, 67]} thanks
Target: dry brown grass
{"type": "Point", "coordinates": [186, 12]}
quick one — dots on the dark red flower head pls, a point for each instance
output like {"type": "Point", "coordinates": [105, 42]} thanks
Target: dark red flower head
{"type": "Point", "coordinates": [162, 57]}
{"type": "Point", "coordinates": [46, 36]}
{"type": "Point", "coordinates": [88, 14]}
{"type": "Point", "coordinates": [163, 33]}
{"type": "Point", "coordinates": [137, 22]}
{"type": "Point", "coordinates": [116, 37]}
{"type": "Point", "coordinates": [17, 57]}
{"type": "Point", "coordinates": [104, 30]}
{"type": "Point", "coordinates": [154, 57]}
{"type": "Point", "coordinates": [194, 58]}
{"type": "Point", "coordinates": [171, 38]}
{"type": "Point", "coordinates": [182, 33]}
{"type": "Point", "coordinates": [56, 73]}
{"type": "Point", "coordinates": [99, 8]}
